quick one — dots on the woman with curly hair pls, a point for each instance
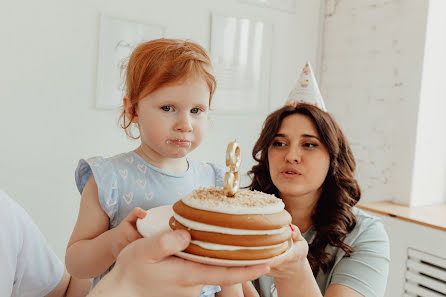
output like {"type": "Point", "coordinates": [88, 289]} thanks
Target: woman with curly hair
{"type": "Point", "coordinates": [305, 160]}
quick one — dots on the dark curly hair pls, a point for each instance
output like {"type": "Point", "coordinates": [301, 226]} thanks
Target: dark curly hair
{"type": "Point", "coordinates": [333, 218]}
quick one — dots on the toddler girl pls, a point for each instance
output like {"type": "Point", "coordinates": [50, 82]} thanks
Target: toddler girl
{"type": "Point", "coordinates": [169, 87]}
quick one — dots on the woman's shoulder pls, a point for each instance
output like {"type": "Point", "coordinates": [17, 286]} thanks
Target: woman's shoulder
{"type": "Point", "coordinates": [365, 219]}
{"type": "Point", "coordinates": [369, 261]}
{"type": "Point", "coordinates": [16, 224]}
{"type": "Point", "coordinates": [12, 214]}
{"type": "Point", "coordinates": [8, 209]}
{"type": "Point", "coordinates": [368, 227]}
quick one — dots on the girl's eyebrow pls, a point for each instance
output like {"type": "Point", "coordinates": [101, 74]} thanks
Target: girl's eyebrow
{"type": "Point", "coordinates": [202, 106]}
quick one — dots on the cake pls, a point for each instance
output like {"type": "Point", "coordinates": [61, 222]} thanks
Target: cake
{"type": "Point", "coordinates": [251, 225]}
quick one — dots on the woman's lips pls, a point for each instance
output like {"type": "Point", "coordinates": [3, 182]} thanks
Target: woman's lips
{"type": "Point", "coordinates": [290, 173]}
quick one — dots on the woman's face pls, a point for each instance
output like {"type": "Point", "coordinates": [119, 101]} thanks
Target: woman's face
{"type": "Point", "coordinates": [298, 160]}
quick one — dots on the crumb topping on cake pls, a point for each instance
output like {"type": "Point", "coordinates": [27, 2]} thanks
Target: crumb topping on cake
{"type": "Point", "coordinates": [244, 202]}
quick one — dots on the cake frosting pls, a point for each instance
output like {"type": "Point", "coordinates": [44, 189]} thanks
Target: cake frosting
{"type": "Point", "coordinates": [243, 202]}
{"type": "Point", "coordinates": [212, 228]}
{"type": "Point", "coordinates": [214, 246]}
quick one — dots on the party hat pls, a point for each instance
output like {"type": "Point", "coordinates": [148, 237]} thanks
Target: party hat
{"type": "Point", "coordinates": [306, 90]}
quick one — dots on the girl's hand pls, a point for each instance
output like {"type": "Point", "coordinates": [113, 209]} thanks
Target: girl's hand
{"type": "Point", "coordinates": [126, 232]}
{"type": "Point", "coordinates": [287, 266]}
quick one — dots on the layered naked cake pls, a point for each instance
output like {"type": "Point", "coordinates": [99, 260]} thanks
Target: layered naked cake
{"type": "Point", "coordinates": [251, 225]}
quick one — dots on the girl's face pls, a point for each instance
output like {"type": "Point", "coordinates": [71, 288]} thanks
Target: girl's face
{"type": "Point", "coordinates": [173, 119]}
{"type": "Point", "coordinates": [298, 160]}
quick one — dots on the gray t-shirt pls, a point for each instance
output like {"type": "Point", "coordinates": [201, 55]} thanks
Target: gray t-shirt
{"type": "Point", "coordinates": [365, 271]}
{"type": "Point", "coordinates": [126, 181]}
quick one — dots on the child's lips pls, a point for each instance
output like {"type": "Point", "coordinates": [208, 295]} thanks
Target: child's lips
{"type": "Point", "coordinates": [180, 142]}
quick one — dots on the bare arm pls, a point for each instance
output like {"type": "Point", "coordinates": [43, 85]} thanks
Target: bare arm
{"type": "Point", "coordinates": [92, 247]}
{"type": "Point", "coordinates": [70, 287]}
{"type": "Point", "coordinates": [62, 286]}
{"type": "Point", "coordinates": [292, 273]}
{"type": "Point", "coordinates": [249, 290]}
{"type": "Point", "coordinates": [78, 287]}
{"type": "Point", "coordinates": [300, 282]}
{"type": "Point", "coordinates": [337, 290]}
{"type": "Point", "coordinates": [307, 286]}
{"type": "Point", "coordinates": [88, 252]}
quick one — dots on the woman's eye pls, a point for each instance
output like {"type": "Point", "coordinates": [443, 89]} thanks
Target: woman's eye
{"type": "Point", "coordinates": [195, 110]}
{"type": "Point", "coordinates": [167, 108]}
{"type": "Point", "coordinates": [278, 144]}
{"type": "Point", "coordinates": [310, 145]}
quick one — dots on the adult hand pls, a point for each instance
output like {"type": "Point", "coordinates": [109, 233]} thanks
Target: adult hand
{"type": "Point", "coordinates": [292, 273]}
{"type": "Point", "coordinates": [146, 268]}
{"type": "Point", "coordinates": [288, 266]}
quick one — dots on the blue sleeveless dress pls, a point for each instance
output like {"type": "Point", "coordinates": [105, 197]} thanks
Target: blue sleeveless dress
{"type": "Point", "coordinates": [126, 181]}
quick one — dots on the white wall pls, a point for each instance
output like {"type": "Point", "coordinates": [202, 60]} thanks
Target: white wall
{"type": "Point", "coordinates": [429, 175]}
{"type": "Point", "coordinates": [371, 78]}
{"type": "Point", "coordinates": [47, 83]}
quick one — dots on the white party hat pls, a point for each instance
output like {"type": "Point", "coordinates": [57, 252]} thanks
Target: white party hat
{"type": "Point", "coordinates": [306, 90]}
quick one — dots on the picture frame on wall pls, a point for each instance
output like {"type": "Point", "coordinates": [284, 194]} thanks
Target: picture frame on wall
{"type": "Point", "coordinates": [117, 39]}
{"type": "Point", "coordinates": [283, 5]}
{"type": "Point", "coordinates": [240, 50]}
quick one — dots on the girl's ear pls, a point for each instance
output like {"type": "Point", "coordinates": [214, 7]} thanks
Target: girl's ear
{"type": "Point", "coordinates": [130, 111]}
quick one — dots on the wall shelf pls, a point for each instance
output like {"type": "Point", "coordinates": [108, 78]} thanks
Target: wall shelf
{"type": "Point", "coordinates": [430, 216]}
